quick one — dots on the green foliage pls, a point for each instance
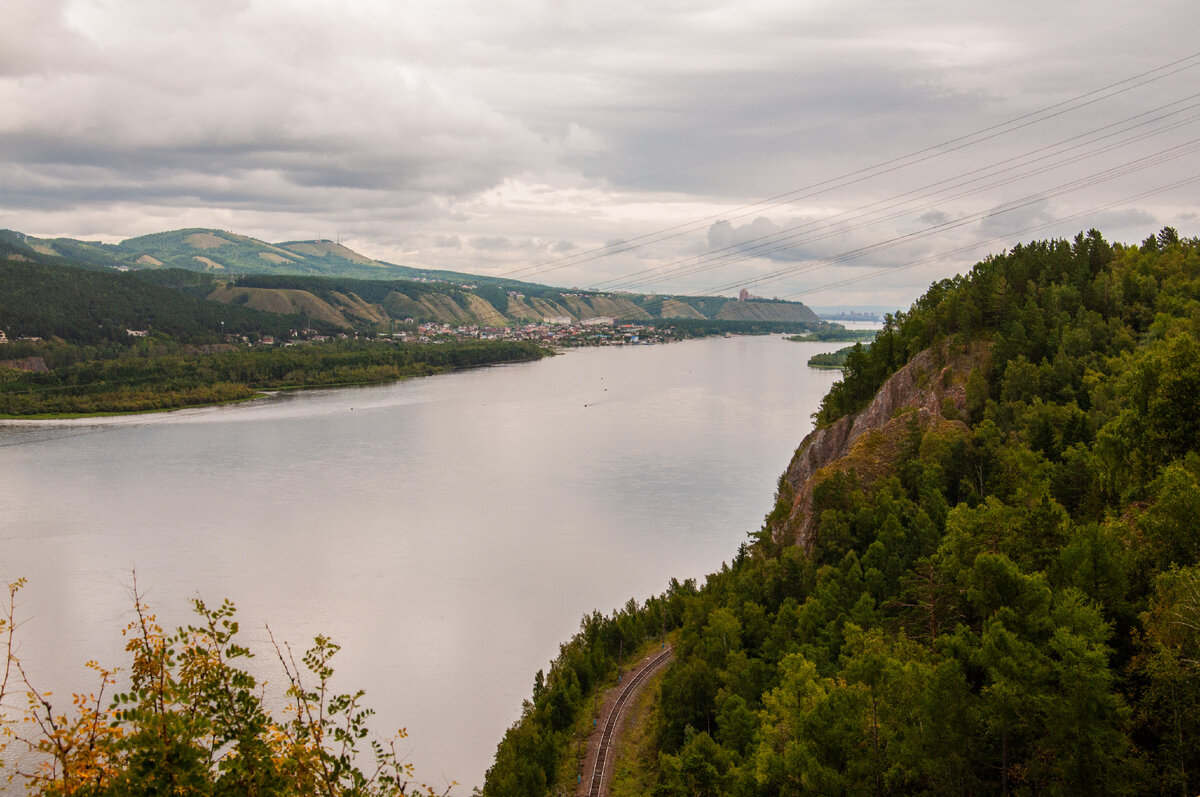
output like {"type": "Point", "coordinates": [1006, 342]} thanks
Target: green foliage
{"type": "Point", "coordinates": [1012, 608]}
{"type": "Point", "coordinates": [225, 252]}
{"type": "Point", "coordinates": [92, 307]}
{"type": "Point", "coordinates": [528, 758]}
{"type": "Point", "coordinates": [193, 721]}
{"type": "Point", "coordinates": [835, 359]}
{"type": "Point", "coordinates": [160, 375]}
{"type": "Point", "coordinates": [833, 332]}
{"type": "Point", "coordinates": [197, 261]}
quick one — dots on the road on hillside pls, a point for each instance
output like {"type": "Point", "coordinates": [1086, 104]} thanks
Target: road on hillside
{"type": "Point", "coordinates": [599, 761]}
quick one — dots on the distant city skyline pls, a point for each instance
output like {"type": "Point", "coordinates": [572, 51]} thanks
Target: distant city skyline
{"type": "Point", "coordinates": [830, 153]}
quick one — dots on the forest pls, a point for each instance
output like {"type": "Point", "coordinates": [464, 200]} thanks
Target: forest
{"type": "Point", "coordinates": [310, 283]}
{"type": "Point", "coordinates": [88, 306]}
{"type": "Point", "coordinates": [1001, 596]}
{"type": "Point", "coordinates": [77, 322]}
{"type": "Point", "coordinates": [160, 374]}
{"type": "Point", "coordinates": [833, 359]}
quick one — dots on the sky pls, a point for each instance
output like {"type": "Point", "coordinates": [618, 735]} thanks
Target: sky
{"type": "Point", "coordinates": [838, 153]}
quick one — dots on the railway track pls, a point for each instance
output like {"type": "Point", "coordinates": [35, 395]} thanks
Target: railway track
{"type": "Point", "coordinates": [596, 787]}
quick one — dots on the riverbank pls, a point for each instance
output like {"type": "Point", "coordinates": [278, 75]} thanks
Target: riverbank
{"type": "Point", "coordinates": [153, 380]}
{"type": "Point", "coordinates": [448, 533]}
{"type": "Point", "coordinates": [160, 375]}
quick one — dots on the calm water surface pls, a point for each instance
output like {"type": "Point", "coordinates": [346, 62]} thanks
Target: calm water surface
{"type": "Point", "coordinates": [448, 532]}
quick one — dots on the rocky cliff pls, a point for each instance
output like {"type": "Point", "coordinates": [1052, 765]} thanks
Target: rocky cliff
{"type": "Point", "coordinates": [930, 390]}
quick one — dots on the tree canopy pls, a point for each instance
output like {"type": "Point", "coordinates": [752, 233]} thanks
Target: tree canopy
{"type": "Point", "coordinates": [1011, 605]}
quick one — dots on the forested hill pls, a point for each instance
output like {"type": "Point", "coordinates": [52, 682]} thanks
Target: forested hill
{"type": "Point", "coordinates": [981, 575]}
{"type": "Point", "coordinates": [328, 282]}
{"type": "Point", "coordinates": [82, 306]}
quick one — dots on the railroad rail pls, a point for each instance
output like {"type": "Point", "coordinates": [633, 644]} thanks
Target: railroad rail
{"type": "Point", "coordinates": [610, 724]}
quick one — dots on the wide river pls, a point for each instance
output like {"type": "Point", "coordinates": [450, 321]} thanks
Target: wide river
{"type": "Point", "coordinates": [449, 532]}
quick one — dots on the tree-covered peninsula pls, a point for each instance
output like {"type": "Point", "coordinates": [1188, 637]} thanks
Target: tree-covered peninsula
{"type": "Point", "coordinates": [981, 574]}
{"type": "Point", "coordinates": [160, 375]}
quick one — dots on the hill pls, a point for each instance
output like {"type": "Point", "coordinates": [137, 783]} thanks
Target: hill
{"type": "Point", "coordinates": [82, 341]}
{"type": "Point", "coordinates": [88, 307]}
{"type": "Point", "coordinates": [373, 302]}
{"type": "Point", "coordinates": [219, 252]}
{"type": "Point", "coordinates": [981, 574]}
{"type": "Point", "coordinates": [224, 252]}
{"type": "Point", "coordinates": [326, 281]}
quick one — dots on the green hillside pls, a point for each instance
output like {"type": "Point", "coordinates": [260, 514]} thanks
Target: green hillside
{"type": "Point", "coordinates": [355, 292]}
{"type": "Point", "coordinates": [215, 251]}
{"type": "Point", "coordinates": [372, 301]}
{"type": "Point", "coordinates": [81, 341]}
{"type": "Point", "coordinates": [86, 306]}
{"type": "Point", "coordinates": [225, 252]}
{"type": "Point", "coordinates": [81, 254]}
{"type": "Point", "coordinates": [981, 575]}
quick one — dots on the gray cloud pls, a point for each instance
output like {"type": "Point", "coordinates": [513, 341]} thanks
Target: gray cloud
{"type": "Point", "coordinates": [539, 129]}
{"type": "Point", "coordinates": [1004, 220]}
{"type": "Point", "coordinates": [761, 238]}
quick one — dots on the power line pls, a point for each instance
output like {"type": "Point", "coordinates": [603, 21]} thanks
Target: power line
{"type": "Point", "coordinates": [933, 92]}
{"type": "Point", "coordinates": [1085, 182]}
{"type": "Point", "coordinates": [958, 143]}
{"type": "Point", "coordinates": [820, 229]}
{"type": "Point", "coordinates": [993, 241]}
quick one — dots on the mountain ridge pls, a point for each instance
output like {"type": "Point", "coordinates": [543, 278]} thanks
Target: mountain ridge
{"type": "Point", "coordinates": [329, 281]}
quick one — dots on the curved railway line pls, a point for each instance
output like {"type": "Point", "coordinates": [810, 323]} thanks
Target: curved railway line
{"type": "Point", "coordinates": [596, 787]}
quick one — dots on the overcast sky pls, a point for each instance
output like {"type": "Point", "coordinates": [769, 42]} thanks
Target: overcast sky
{"type": "Point", "coordinates": [903, 141]}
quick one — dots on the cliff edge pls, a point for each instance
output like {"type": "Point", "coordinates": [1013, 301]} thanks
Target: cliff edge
{"type": "Point", "coordinates": [929, 390]}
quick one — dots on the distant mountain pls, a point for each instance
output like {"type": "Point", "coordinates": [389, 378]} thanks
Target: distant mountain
{"type": "Point", "coordinates": [226, 253]}
{"type": "Point", "coordinates": [323, 280]}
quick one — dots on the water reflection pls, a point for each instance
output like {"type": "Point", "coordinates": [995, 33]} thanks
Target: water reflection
{"type": "Point", "coordinates": [449, 532]}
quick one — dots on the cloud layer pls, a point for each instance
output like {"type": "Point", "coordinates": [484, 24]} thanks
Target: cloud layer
{"type": "Point", "coordinates": [492, 138]}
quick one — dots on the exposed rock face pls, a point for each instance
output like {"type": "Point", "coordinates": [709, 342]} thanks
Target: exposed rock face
{"type": "Point", "coordinates": [35, 364]}
{"type": "Point", "coordinates": [931, 386]}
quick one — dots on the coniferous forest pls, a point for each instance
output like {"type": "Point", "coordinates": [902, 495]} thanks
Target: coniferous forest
{"type": "Point", "coordinates": [993, 592]}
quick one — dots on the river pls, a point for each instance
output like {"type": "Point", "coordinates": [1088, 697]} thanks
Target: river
{"type": "Point", "coordinates": [449, 532]}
